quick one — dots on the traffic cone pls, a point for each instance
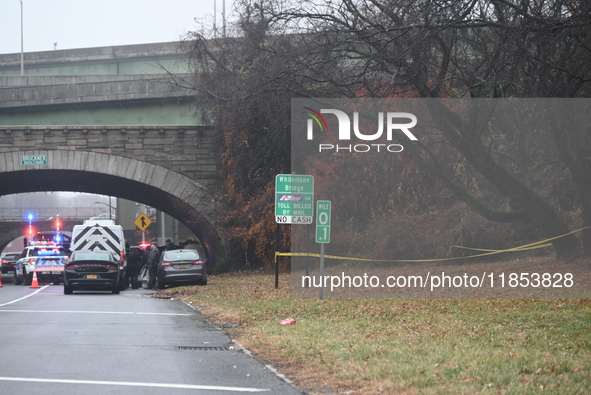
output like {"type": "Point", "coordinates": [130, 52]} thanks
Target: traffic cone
{"type": "Point", "coordinates": [1, 281]}
{"type": "Point", "coordinates": [35, 282]}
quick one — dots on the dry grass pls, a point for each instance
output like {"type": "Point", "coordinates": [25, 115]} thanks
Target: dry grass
{"type": "Point", "coordinates": [400, 346]}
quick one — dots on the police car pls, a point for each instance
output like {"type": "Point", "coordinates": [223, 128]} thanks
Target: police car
{"type": "Point", "coordinates": [47, 260]}
{"type": "Point", "coordinates": [50, 238]}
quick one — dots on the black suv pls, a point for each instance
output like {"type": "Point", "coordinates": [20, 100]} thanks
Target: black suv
{"type": "Point", "coordinates": [9, 261]}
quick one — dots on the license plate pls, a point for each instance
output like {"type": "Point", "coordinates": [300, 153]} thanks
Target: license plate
{"type": "Point", "coordinates": [92, 276]}
{"type": "Point", "coordinates": [182, 266]}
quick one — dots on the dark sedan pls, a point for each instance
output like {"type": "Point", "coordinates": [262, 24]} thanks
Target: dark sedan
{"type": "Point", "coordinates": [92, 270]}
{"type": "Point", "coordinates": [181, 266]}
{"type": "Point", "coordinates": [9, 262]}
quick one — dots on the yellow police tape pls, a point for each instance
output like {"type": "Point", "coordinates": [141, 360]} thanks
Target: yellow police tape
{"type": "Point", "coordinates": [531, 246]}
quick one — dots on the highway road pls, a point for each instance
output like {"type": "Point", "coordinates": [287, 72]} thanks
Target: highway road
{"type": "Point", "coordinates": [99, 343]}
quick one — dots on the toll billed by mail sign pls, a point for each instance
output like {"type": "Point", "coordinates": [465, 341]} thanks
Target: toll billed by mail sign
{"type": "Point", "coordinates": [294, 198]}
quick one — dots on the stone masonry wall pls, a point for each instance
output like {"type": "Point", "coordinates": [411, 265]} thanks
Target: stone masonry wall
{"type": "Point", "coordinates": [190, 151]}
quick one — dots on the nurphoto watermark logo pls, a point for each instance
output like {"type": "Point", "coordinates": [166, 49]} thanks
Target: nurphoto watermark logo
{"type": "Point", "coordinates": [394, 124]}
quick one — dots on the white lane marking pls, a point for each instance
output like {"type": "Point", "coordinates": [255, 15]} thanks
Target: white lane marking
{"type": "Point", "coordinates": [91, 312]}
{"type": "Point", "coordinates": [138, 384]}
{"type": "Point", "coordinates": [25, 297]}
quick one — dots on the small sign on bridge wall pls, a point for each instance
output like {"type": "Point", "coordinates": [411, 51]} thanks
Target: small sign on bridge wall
{"type": "Point", "coordinates": [33, 160]}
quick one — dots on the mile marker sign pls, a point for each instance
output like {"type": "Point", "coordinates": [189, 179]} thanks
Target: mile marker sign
{"type": "Point", "coordinates": [323, 221]}
{"type": "Point", "coordinates": [294, 199]}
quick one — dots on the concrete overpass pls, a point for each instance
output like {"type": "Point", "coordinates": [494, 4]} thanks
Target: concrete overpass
{"type": "Point", "coordinates": [14, 222]}
{"type": "Point", "coordinates": [13, 230]}
{"type": "Point", "coordinates": [111, 121]}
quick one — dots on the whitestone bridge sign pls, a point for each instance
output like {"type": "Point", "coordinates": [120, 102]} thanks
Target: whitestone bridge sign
{"type": "Point", "coordinates": [294, 199]}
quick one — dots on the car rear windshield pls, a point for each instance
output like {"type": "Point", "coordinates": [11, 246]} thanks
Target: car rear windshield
{"type": "Point", "coordinates": [90, 256]}
{"type": "Point", "coordinates": [181, 255]}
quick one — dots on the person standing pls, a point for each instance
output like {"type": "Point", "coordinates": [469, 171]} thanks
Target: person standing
{"type": "Point", "coordinates": [190, 244]}
{"type": "Point", "coordinates": [153, 260]}
{"type": "Point", "coordinates": [144, 270]}
{"type": "Point", "coordinates": [134, 264]}
{"type": "Point", "coordinates": [169, 245]}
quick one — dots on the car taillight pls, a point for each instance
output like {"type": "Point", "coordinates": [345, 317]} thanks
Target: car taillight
{"type": "Point", "coordinates": [4, 261]}
{"type": "Point", "coordinates": [198, 262]}
{"type": "Point", "coordinates": [166, 263]}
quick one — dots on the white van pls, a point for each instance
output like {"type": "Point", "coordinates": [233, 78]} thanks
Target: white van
{"type": "Point", "coordinates": [101, 234]}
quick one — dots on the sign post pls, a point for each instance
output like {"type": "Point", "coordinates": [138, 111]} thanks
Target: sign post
{"type": "Point", "coordinates": [294, 204]}
{"type": "Point", "coordinates": [323, 208]}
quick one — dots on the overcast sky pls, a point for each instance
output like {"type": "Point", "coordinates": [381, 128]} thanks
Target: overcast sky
{"type": "Point", "coordinates": [53, 199]}
{"type": "Point", "coordinates": [97, 23]}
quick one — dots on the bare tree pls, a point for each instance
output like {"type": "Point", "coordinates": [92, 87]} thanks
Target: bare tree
{"type": "Point", "coordinates": [472, 48]}
{"type": "Point", "coordinates": [422, 48]}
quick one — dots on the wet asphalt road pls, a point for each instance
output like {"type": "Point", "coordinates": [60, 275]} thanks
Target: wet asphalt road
{"type": "Point", "coordinates": [99, 343]}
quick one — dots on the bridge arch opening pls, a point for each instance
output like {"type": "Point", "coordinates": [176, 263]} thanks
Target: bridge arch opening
{"type": "Point", "coordinates": [182, 198]}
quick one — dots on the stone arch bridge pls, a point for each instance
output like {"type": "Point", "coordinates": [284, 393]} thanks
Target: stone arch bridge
{"type": "Point", "coordinates": [111, 121]}
{"type": "Point", "coordinates": [172, 170]}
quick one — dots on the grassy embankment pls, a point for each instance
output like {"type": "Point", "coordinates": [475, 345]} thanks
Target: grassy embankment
{"type": "Point", "coordinates": [391, 346]}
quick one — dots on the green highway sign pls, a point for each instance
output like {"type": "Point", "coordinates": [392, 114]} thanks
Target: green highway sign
{"type": "Point", "coordinates": [323, 221]}
{"type": "Point", "coordinates": [30, 160]}
{"type": "Point", "coordinates": [294, 199]}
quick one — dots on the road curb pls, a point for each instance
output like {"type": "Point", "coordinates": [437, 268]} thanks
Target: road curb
{"type": "Point", "coordinates": [239, 346]}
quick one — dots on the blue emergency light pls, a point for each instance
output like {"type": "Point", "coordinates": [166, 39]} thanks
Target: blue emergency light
{"type": "Point", "coordinates": [45, 251]}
